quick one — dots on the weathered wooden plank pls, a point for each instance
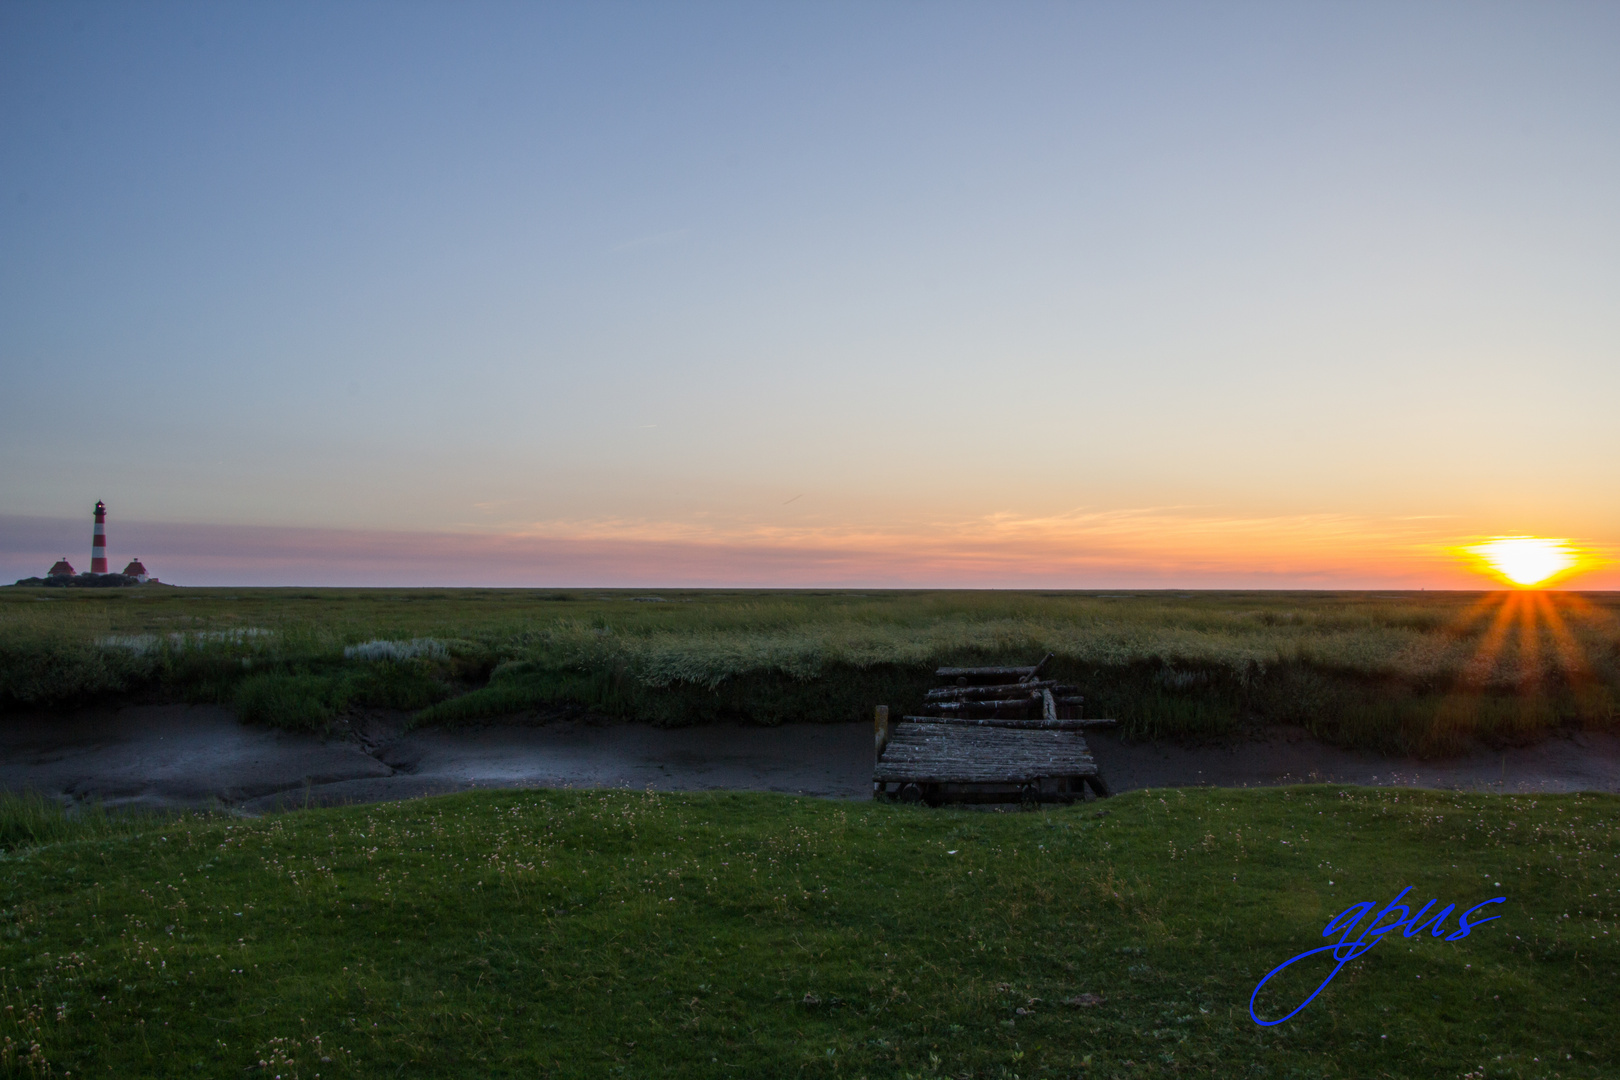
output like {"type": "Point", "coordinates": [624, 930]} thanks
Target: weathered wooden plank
{"type": "Point", "coordinates": [912, 746]}
{"type": "Point", "coordinates": [1022, 673]}
{"type": "Point", "coordinates": [917, 772]}
{"type": "Point", "coordinates": [983, 672]}
{"type": "Point", "coordinates": [1009, 690]}
{"type": "Point", "coordinates": [1013, 707]}
{"type": "Point", "coordinates": [966, 731]}
{"type": "Point", "coordinates": [904, 752]}
{"type": "Point", "coordinates": [952, 766]}
{"type": "Point", "coordinates": [924, 752]}
{"type": "Point", "coordinates": [933, 767]}
{"type": "Point", "coordinates": [949, 770]}
{"type": "Point", "coordinates": [1013, 722]}
{"type": "Point", "coordinates": [922, 774]}
{"type": "Point", "coordinates": [1050, 761]}
{"type": "Point", "coordinates": [1059, 762]}
{"type": "Point", "coordinates": [969, 733]}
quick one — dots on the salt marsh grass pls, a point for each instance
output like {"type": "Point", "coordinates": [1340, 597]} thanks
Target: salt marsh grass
{"type": "Point", "coordinates": [1417, 672]}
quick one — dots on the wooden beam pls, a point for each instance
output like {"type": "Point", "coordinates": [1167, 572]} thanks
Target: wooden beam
{"type": "Point", "coordinates": [1010, 690]}
{"type": "Point", "coordinates": [1037, 669]}
{"type": "Point", "coordinates": [983, 672]}
{"type": "Point", "coordinates": [1022, 674]}
{"type": "Point", "coordinates": [1011, 722]}
{"type": "Point", "coordinates": [1000, 707]}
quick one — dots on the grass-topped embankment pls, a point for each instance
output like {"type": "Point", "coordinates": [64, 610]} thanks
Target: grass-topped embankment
{"type": "Point", "coordinates": [626, 934]}
{"type": "Point", "coordinates": [1416, 673]}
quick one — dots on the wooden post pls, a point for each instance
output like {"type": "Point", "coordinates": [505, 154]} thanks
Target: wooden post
{"type": "Point", "coordinates": [880, 731]}
{"type": "Point", "coordinates": [1035, 671]}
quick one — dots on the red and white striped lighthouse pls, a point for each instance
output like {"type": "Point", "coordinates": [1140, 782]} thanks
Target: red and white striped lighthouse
{"type": "Point", "coordinates": [98, 544]}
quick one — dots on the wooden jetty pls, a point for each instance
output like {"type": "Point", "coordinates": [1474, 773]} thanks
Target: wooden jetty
{"type": "Point", "coordinates": [991, 735]}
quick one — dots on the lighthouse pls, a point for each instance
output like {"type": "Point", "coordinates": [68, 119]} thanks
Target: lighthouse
{"type": "Point", "coordinates": [98, 543]}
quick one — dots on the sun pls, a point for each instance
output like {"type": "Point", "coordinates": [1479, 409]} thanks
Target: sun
{"type": "Point", "coordinates": [1526, 561]}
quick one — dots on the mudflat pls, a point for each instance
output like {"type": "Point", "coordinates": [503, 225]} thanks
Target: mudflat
{"type": "Point", "coordinates": [171, 756]}
{"type": "Point", "coordinates": [180, 756]}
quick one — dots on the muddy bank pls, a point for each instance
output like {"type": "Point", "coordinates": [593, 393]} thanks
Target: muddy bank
{"type": "Point", "coordinates": [180, 756]}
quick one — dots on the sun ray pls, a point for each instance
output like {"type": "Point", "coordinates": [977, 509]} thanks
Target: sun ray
{"type": "Point", "coordinates": [1595, 618]}
{"type": "Point", "coordinates": [1480, 609]}
{"type": "Point", "coordinates": [1480, 668]}
{"type": "Point", "coordinates": [1572, 603]}
{"type": "Point", "coordinates": [1457, 710]}
{"type": "Point", "coordinates": [1569, 650]}
{"type": "Point", "coordinates": [1530, 645]}
{"type": "Point", "coordinates": [1529, 638]}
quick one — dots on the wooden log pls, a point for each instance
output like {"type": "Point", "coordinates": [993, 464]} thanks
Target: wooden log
{"type": "Point", "coordinates": [999, 674]}
{"type": "Point", "coordinates": [1037, 669]}
{"type": "Point", "coordinates": [1022, 674]}
{"type": "Point", "coordinates": [954, 693]}
{"type": "Point", "coordinates": [880, 731]}
{"type": "Point", "coordinates": [1025, 733]}
{"type": "Point", "coordinates": [1055, 763]}
{"type": "Point", "coordinates": [1009, 673]}
{"type": "Point", "coordinates": [1003, 707]}
{"type": "Point", "coordinates": [1013, 722]}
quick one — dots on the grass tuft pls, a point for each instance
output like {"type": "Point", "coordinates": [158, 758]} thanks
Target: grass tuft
{"type": "Point", "coordinates": [28, 819]}
{"type": "Point", "coordinates": [294, 702]}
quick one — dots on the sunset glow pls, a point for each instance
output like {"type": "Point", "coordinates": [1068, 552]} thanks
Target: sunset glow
{"type": "Point", "coordinates": [1526, 561]}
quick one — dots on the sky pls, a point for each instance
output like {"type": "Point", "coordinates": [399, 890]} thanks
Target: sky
{"type": "Point", "coordinates": [1083, 295]}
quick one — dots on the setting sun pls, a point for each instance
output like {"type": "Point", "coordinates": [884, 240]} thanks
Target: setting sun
{"type": "Point", "coordinates": [1526, 560]}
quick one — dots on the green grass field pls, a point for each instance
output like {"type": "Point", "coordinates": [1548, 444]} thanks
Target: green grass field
{"type": "Point", "coordinates": [1414, 672]}
{"type": "Point", "coordinates": [605, 934]}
